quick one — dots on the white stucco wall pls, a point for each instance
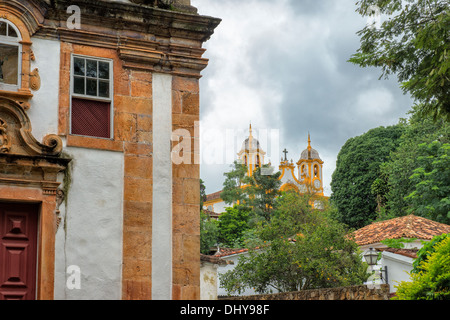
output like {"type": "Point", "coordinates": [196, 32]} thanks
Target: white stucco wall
{"type": "Point", "coordinates": [162, 188]}
{"type": "Point", "coordinates": [90, 234]}
{"type": "Point", "coordinates": [43, 112]}
{"type": "Point", "coordinates": [220, 207]}
{"type": "Point", "coordinates": [288, 177]}
{"type": "Point", "coordinates": [208, 281]}
{"type": "Point", "coordinates": [398, 267]}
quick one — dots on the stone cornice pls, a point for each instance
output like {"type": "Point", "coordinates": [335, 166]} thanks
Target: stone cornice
{"type": "Point", "coordinates": [118, 17]}
{"type": "Point", "coordinates": [145, 37]}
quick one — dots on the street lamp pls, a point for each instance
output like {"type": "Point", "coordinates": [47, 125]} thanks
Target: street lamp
{"type": "Point", "coordinates": [371, 257]}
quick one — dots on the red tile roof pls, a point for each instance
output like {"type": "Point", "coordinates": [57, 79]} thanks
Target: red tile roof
{"type": "Point", "coordinates": [223, 252]}
{"type": "Point", "coordinates": [411, 253]}
{"type": "Point", "coordinates": [213, 259]}
{"type": "Point", "coordinates": [410, 226]}
{"type": "Point", "coordinates": [213, 196]}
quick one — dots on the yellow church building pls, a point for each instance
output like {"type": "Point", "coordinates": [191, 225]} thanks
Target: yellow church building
{"type": "Point", "coordinates": [304, 176]}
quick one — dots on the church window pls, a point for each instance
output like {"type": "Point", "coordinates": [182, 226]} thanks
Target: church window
{"type": "Point", "coordinates": [257, 161]}
{"type": "Point", "coordinates": [245, 160]}
{"type": "Point", "coordinates": [92, 91]}
{"type": "Point", "coordinates": [316, 171]}
{"type": "Point", "coordinates": [10, 56]}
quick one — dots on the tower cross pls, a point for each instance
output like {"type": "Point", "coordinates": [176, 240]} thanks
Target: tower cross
{"type": "Point", "coordinates": [285, 154]}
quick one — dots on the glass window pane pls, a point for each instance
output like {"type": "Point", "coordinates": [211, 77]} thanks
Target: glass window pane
{"type": "Point", "coordinates": [12, 32]}
{"type": "Point", "coordinates": [3, 27]}
{"type": "Point", "coordinates": [91, 87]}
{"type": "Point", "coordinates": [79, 67]}
{"type": "Point", "coordinates": [78, 85]}
{"type": "Point", "coordinates": [103, 89]}
{"type": "Point", "coordinates": [91, 68]}
{"type": "Point", "coordinates": [103, 70]}
{"type": "Point", "coordinates": [9, 64]}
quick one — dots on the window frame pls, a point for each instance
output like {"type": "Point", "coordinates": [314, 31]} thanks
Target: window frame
{"type": "Point", "coordinates": [16, 43]}
{"type": "Point", "coordinates": [93, 98]}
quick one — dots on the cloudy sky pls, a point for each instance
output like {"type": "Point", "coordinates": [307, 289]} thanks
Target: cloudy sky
{"type": "Point", "coordinates": [281, 65]}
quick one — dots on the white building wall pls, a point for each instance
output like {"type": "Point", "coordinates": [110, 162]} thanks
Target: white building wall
{"type": "Point", "coordinates": [90, 234]}
{"type": "Point", "coordinates": [162, 188]}
{"type": "Point", "coordinates": [43, 112]}
{"type": "Point", "coordinates": [208, 281]}
{"type": "Point", "coordinates": [220, 207]}
{"type": "Point", "coordinates": [398, 267]}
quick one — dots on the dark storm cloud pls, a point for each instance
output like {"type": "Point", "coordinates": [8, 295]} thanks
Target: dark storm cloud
{"type": "Point", "coordinates": [283, 64]}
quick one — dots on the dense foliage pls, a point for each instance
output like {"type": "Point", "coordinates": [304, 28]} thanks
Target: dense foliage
{"type": "Point", "coordinates": [431, 279]}
{"type": "Point", "coordinates": [299, 248]}
{"type": "Point", "coordinates": [397, 170]}
{"type": "Point", "coordinates": [232, 225]}
{"type": "Point", "coordinates": [209, 233]}
{"type": "Point", "coordinates": [412, 43]}
{"type": "Point", "coordinates": [233, 186]}
{"type": "Point", "coordinates": [357, 167]}
{"type": "Point", "coordinates": [431, 193]}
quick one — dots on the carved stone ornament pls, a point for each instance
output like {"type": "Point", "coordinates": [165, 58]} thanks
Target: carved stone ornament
{"type": "Point", "coordinates": [35, 80]}
{"type": "Point", "coordinates": [5, 142]}
{"type": "Point", "coordinates": [24, 161]}
{"type": "Point", "coordinates": [15, 132]}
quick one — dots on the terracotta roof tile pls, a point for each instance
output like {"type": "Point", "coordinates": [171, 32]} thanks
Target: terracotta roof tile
{"type": "Point", "coordinates": [213, 196]}
{"type": "Point", "coordinates": [410, 226]}
{"type": "Point", "coordinates": [223, 252]}
{"type": "Point", "coordinates": [411, 253]}
{"type": "Point", "coordinates": [213, 259]}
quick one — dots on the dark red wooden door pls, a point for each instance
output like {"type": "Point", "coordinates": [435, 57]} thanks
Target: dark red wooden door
{"type": "Point", "coordinates": [18, 251]}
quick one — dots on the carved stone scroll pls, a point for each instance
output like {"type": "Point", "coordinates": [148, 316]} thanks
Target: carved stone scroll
{"type": "Point", "coordinates": [35, 80]}
{"type": "Point", "coordinates": [23, 160]}
{"type": "Point", "coordinates": [16, 135]}
{"type": "Point", "coordinates": [5, 142]}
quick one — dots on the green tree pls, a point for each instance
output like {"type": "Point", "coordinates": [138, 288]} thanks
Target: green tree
{"type": "Point", "coordinates": [209, 233]}
{"type": "Point", "coordinates": [293, 210]}
{"type": "Point", "coordinates": [431, 195]}
{"type": "Point", "coordinates": [257, 192]}
{"type": "Point", "coordinates": [357, 167]}
{"type": "Point", "coordinates": [432, 281]}
{"type": "Point", "coordinates": [402, 162]}
{"type": "Point", "coordinates": [233, 224]}
{"type": "Point", "coordinates": [263, 191]}
{"type": "Point", "coordinates": [413, 44]}
{"type": "Point", "coordinates": [202, 193]}
{"type": "Point", "coordinates": [304, 249]}
{"type": "Point", "coordinates": [428, 248]}
{"type": "Point", "coordinates": [233, 186]}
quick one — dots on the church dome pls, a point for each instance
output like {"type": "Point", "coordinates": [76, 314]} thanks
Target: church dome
{"type": "Point", "coordinates": [306, 154]}
{"type": "Point", "coordinates": [309, 153]}
{"type": "Point", "coordinates": [254, 145]}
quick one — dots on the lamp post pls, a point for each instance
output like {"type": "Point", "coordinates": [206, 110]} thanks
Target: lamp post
{"type": "Point", "coordinates": [371, 257]}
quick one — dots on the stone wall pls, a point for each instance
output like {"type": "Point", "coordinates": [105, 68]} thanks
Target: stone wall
{"type": "Point", "coordinates": [379, 292]}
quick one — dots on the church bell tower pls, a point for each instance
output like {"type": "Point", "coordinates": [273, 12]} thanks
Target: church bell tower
{"type": "Point", "coordinates": [310, 170]}
{"type": "Point", "coordinates": [251, 153]}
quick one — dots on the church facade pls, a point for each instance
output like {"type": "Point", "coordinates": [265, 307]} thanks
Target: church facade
{"type": "Point", "coordinates": [303, 176]}
{"type": "Point", "coordinates": [91, 205]}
